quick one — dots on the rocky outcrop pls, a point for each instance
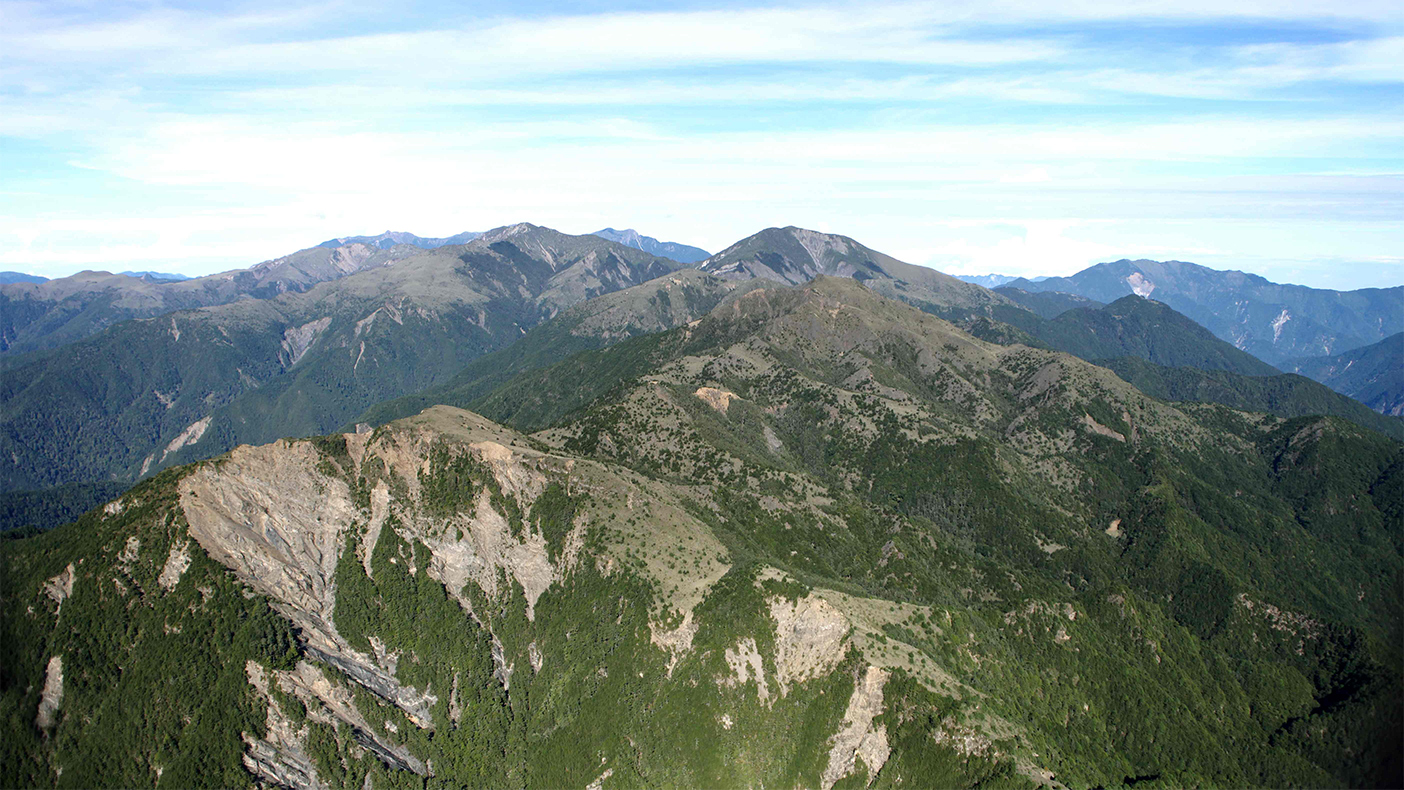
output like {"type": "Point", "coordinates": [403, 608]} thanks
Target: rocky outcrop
{"type": "Point", "coordinates": [809, 639]}
{"type": "Point", "coordinates": [858, 737]}
{"type": "Point", "coordinates": [177, 561]}
{"type": "Point", "coordinates": [297, 340]}
{"type": "Point", "coordinates": [333, 702]}
{"type": "Point", "coordinates": [269, 515]}
{"type": "Point", "coordinates": [60, 587]}
{"type": "Point", "coordinates": [746, 663]}
{"type": "Point", "coordinates": [192, 434]}
{"type": "Point", "coordinates": [716, 398]}
{"type": "Point", "coordinates": [280, 757]}
{"type": "Point", "coordinates": [52, 696]}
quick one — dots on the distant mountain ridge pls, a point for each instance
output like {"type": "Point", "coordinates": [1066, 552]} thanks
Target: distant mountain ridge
{"type": "Point", "coordinates": [794, 256]}
{"type": "Point", "coordinates": [41, 315]}
{"type": "Point", "coordinates": [1151, 330]}
{"type": "Point", "coordinates": [1272, 321]}
{"type": "Point", "coordinates": [987, 280]}
{"type": "Point", "coordinates": [629, 237]}
{"type": "Point", "coordinates": [159, 276]}
{"type": "Point", "coordinates": [1373, 375]}
{"type": "Point", "coordinates": [20, 277]}
{"type": "Point", "coordinates": [390, 238]}
{"type": "Point", "coordinates": [145, 394]}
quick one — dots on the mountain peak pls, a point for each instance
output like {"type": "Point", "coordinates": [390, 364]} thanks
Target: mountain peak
{"type": "Point", "coordinates": [507, 231]}
{"type": "Point", "coordinates": [795, 255]}
{"type": "Point", "coordinates": [629, 237]}
{"type": "Point", "coordinates": [391, 238]}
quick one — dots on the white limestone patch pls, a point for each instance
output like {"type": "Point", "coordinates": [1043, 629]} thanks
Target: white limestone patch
{"type": "Point", "coordinates": [473, 548]}
{"type": "Point", "coordinates": [192, 434]}
{"type": "Point", "coordinates": [380, 510]}
{"type": "Point", "coordinates": [598, 784]}
{"type": "Point", "coordinates": [280, 757]}
{"type": "Point", "coordinates": [131, 551]}
{"type": "Point", "coordinates": [716, 398]}
{"type": "Point", "coordinates": [177, 562]}
{"type": "Point", "coordinates": [1279, 322]}
{"type": "Point", "coordinates": [298, 340]}
{"type": "Point", "coordinates": [677, 641]}
{"type": "Point", "coordinates": [1140, 285]}
{"type": "Point", "coordinates": [1101, 430]}
{"type": "Point", "coordinates": [52, 696]}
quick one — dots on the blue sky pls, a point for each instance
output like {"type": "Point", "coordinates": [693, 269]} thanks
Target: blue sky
{"type": "Point", "coordinates": [1015, 137]}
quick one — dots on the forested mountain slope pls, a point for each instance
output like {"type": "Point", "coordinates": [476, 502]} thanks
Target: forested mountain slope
{"type": "Point", "coordinates": [148, 393]}
{"type": "Point", "coordinates": [1373, 375]}
{"type": "Point", "coordinates": [1136, 327]}
{"type": "Point", "coordinates": [655, 306]}
{"type": "Point", "coordinates": [817, 538]}
{"type": "Point", "coordinates": [1147, 343]}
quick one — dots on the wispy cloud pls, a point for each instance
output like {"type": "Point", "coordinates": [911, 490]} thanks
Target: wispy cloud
{"type": "Point", "coordinates": [229, 136]}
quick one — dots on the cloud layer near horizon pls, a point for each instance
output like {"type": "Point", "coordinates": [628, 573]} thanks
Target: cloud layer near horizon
{"type": "Point", "coordinates": [971, 137]}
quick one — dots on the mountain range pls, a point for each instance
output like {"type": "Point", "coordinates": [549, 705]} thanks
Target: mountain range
{"type": "Point", "coordinates": [20, 277]}
{"type": "Point", "coordinates": [144, 394]}
{"type": "Point", "coordinates": [988, 280]}
{"type": "Point", "coordinates": [45, 315]}
{"type": "Point", "coordinates": [389, 332]}
{"type": "Point", "coordinates": [391, 238]}
{"type": "Point", "coordinates": [667, 249]}
{"type": "Point", "coordinates": [1271, 321]}
{"type": "Point", "coordinates": [1373, 374]}
{"type": "Point", "coordinates": [753, 532]}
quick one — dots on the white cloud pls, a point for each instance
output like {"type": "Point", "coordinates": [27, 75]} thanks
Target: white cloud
{"type": "Point", "coordinates": [873, 120]}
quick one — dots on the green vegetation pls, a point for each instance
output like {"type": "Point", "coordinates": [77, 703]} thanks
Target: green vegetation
{"type": "Point", "coordinates": [1041, 570]}
{"type": "Point", "coordinates": [1272, 321]}
{"type": "Point", "coordinates": [23, 513]}
{"type": "Point", "coordinates": [154, 683]}
{"type": "Point", "coordinates": [1373, 374]}
{"type": "Point", "coordinates": [130, 399]}
{"type": "Point", "coordinates": [1286, 394]}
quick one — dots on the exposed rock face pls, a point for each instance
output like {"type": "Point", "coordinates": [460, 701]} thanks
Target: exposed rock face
{"type": "Point", "coordinates": [270, 516]}
{"type": "Point", "coordinates": [677, 641]}
{"type": "Point", "coordinates": [311, 686]}
{"type": "Point", "coordinates": [745, 662]}
{"type": "Point", "coordinates": [192, 434]}
{"type": "Point", "coordinates": [52, 696]}
{"type": "Point", "coordinates": [279, 524]}
{"type": "Point", "coordinates": [61, 586]}
{"type": "Point", "coordinates": [297, 340]}
{"type": "Point", "coordinates": [809, 639]}
{"type": "Point", "coordinates": [716, 398]}
{"type": "Point", "coordinates": [176, 563]}
{"type": "Point", "coordinates": [857, 737]}
{"type": "Point", "coordinates": [280, 756]}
